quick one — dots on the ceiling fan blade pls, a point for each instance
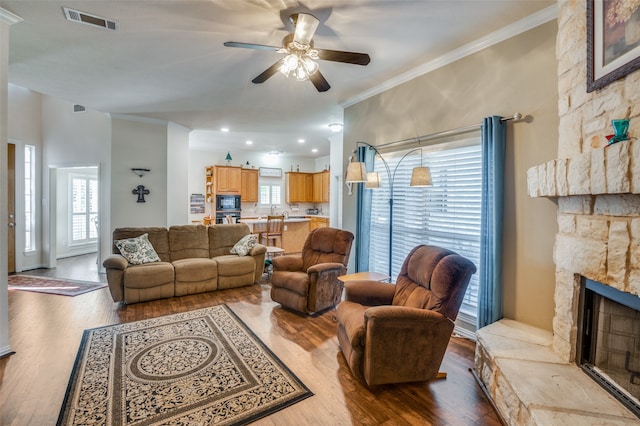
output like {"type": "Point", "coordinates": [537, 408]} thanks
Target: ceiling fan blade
{"type": "Point", "coordinates": [318, 80]}
{"type": "Point", "coordinates": [306, 26]}
{"type": "Point", "coordinates": [268, 73]}
{"type": "Point", "coordinates": [347, 57]}
{"type": "Point", "coordinates": [249, 45]}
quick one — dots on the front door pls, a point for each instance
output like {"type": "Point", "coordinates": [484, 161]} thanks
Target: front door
{"type": "Point", "coordinates": [11, 202]}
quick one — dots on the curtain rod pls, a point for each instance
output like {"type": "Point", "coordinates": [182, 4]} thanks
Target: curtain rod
{"type": "Point", "coordinates": [451, 132]}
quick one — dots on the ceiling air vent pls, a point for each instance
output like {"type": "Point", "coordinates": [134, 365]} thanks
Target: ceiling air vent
{"type": "Point", "coordinates": [85, 18]}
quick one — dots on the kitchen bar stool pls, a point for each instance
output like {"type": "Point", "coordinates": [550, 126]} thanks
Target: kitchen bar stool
{"type": "Point", "coordinates": [273, 232]}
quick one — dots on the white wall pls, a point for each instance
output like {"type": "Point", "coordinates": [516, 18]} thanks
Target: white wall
{"type": "Point", "coordinates": [69, 140]}
{"type": "Point", "coordinates": [177, 175]}
{"type": "Point", "coordinates": [138, 143]}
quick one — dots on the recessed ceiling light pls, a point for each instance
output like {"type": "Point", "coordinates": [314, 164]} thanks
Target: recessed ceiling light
{"type": "Point", "coordinates": [314, 150]}
{"type": "Point", "coordinates": [249, 142]}
{"type": "Point", "coordinates": [224, 129]}
{"type": "Point", "coordinates": [335, 127]}
{"type": "Point", "coordinates": [300, 140]}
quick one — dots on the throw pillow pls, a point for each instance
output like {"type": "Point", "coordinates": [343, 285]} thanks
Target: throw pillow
{"type": "Point", "coordinates": [244, 246]}
{"type": "Point", "coordinates": [137, 250]}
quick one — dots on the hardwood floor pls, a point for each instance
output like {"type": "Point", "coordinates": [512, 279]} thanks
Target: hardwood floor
{"type": "Point", "coordinates": [45, 332]}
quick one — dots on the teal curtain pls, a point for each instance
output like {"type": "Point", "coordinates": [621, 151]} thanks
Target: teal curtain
{"type": "Point", "coordinates": [363, 213]}
{"type": "Point", "coordinates": [490, 268]}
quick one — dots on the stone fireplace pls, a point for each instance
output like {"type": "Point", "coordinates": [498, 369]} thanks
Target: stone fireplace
{"type": "Point", "coordinates": [608, 349]}
{"type": "Point", "coordinates": [531, 374]}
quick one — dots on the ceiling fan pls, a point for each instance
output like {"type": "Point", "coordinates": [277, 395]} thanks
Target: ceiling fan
{"type": "Point", "coordinates": [301, 54]}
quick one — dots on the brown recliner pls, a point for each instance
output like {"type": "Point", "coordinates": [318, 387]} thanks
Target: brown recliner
{"type": "Point", "coordinates": [308, 282]}
{"type": "Point", "coordinates": [399, 333]}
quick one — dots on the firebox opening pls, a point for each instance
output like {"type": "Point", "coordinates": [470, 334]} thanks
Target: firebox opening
{"type": "Point", "coordinates": [609, 341]}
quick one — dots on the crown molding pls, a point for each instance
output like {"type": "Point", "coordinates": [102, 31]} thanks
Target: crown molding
{"type": "Point", "coordinates": [7, 17]}
{"type": "Point", "coordinates": [532, 21]}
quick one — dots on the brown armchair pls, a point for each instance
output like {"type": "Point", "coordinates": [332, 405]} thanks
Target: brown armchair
{"type": "Point", "coordinates": [399, 333]}
{"type": "Point", "coordinates": [308, 282]}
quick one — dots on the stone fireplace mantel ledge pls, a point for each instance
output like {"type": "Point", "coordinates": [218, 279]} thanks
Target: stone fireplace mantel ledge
{"type": "Point", "coordinates": [531, 385]}
{"type": "Point", "coordinates": [614, 169]}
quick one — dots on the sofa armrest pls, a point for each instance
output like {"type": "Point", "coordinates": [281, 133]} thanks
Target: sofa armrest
{"type": "Point", "coordinates": [257, 250]}
{"type": "Point", "coordinates": [369, 293]}
{"type": "Point", "coordinates": [116, 261]}
{"type": "Point", "coordinates": [291, 262]}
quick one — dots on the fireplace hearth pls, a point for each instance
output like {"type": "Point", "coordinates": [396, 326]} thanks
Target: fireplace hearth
{"type": "Point", "coordinates": [608, 344]}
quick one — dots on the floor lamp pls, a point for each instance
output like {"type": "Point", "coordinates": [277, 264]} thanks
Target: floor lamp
{"type": "Point", "coordinates": [357, 172]}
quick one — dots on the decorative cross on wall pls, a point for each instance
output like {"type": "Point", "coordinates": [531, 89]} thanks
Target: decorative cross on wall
{"type": "Point", "coordinates": [140, 191]}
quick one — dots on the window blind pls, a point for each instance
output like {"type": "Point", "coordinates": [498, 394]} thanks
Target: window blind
{"type": "Point", "coordinates": [446, 214]}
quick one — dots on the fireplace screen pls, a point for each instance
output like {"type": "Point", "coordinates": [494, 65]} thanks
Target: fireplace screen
{"type": "Point", "coordinates": [609, 344]}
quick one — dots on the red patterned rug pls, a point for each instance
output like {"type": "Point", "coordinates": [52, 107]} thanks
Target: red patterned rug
{"type": "Point", "coordinates": [61, 286]}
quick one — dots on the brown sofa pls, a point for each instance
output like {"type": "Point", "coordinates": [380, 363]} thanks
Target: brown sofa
{"type": "Point", "coordinates": [194, 259]}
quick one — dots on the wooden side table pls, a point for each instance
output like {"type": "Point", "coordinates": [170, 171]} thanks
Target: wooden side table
{"type": "Point", "coordinates": [360, 276]}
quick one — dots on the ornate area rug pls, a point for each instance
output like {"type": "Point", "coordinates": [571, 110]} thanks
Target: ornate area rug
{"type": "Point", "coordinates": [203, 367]}
{"type": "Point", "coordinates": [49, 285]}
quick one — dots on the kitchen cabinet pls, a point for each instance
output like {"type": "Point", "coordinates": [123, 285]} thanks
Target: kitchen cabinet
{"type": "Point", "coordinates": [249, 185]}
{"type": "Point", "coordinates": [317, 222]}
{"type": "Point", "coordinates": [321, 187]}
{"type": "Point", "coordinates": [299, 187]}
{"type": "Point", "coordinates": [227, 179]}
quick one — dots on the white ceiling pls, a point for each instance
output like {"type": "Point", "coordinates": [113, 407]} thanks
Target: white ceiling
{"type": "Point", "coordinates": [167, 59]}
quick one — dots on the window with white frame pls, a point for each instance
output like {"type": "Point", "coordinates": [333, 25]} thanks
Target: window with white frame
{"type": "Point", "coordinates": [84, 209]}
{"type": "Point", "coordinates": [270, 194]}
{"type": "Point", "coordinates": [29, 198]}
{"type": "Point", "coordinates": [446, 214]}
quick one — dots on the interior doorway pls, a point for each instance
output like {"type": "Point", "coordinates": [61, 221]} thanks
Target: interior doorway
{"type": "Point", "coordinates": [74, 221]}
{"type": "Point", "coordinates": [11, 207]}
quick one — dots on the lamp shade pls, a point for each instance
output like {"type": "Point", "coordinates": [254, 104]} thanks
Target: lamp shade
{"type": "Point", "coordinates": [373, 180]}
{"type": "Point", "coordinates": [356, 172]}
{"type": "Point", "coordinates": [421, 176]}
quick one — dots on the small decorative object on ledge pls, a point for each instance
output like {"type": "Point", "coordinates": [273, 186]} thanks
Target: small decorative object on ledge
{"type": "Point", "coordinates": [228, 159]}
{"type": "Point", "coordinates": [140, 191]}
{"type": "Point", "coordinates": [620, 129]}
{"type": "Point", "coordinates": [140, 171]}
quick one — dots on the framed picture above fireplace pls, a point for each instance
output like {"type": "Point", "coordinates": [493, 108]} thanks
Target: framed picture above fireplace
{"type": "Point", "coordinates": [613, 41]}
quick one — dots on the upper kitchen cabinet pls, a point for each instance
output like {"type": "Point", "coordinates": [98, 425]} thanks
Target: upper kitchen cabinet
{"type": "Point", "coordinates": [321, 187]}
{"type": "Point", "coordinates": [249, 185]}
{"type": "Point", "coordinates": [299, 187]}
{"type": "Point", "coordinates": [228, 179]}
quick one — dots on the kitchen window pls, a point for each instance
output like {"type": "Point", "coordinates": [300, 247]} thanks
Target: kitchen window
{"type": "Point", "coordinates": [446, 214]}
{"type": "Point", "coordinates": [270, 194]}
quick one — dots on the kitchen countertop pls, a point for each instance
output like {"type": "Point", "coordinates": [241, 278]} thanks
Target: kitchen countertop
{"type": "Point", "coordinates": [264, 220]}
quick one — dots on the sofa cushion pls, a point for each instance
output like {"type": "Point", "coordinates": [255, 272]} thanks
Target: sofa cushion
{"type": "Point", "coordinates": [231, 265]}
{"type": "Point", "coordinates": [222, 237]}
{"type": "Point", "coordinates": [158, 236]}
{"type": "Point", "coordinates": [188, 241]}
{"type": "Point", "coordinates": [148, 275]}
{"type": "Point", "coordinates": [138, 250]}
{"type": "Point", "coordinates": [244, 246]}
{"type": "Point", "coordinates": [297, 282]}
{"type": "Point", "coordinates": [195, 269]}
